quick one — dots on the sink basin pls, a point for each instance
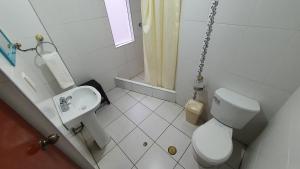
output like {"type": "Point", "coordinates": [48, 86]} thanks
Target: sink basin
{"type": "Point", "coordinates": [82, 105]}
{"type": "Point", "coordinates": [85, 99]}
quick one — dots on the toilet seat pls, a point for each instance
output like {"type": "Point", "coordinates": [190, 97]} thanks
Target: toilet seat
{"type": "Point", "coordinates": [212, 143]}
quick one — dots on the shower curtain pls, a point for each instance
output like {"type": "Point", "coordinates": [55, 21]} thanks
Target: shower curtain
{"type": "Point", "coordinates": [160, 41]}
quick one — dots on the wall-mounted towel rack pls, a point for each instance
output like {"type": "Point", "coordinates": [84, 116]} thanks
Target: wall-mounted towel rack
{"type": "Point", "coordinates": [39, 44]}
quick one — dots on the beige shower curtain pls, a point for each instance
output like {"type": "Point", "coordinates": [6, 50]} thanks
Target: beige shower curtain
{"type": "Point", "coordinates": [160, 41]}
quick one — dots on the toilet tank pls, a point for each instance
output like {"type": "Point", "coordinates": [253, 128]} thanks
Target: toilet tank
{"type": "Point", "coordinates": [233, 109]}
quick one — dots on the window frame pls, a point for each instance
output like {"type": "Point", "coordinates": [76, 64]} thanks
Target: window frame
{"type": "Point", "coordinates": [130, 22]}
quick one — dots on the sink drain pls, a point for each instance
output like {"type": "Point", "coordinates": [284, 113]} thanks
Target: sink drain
{"type": "Point", "coordinates": [172, 150]}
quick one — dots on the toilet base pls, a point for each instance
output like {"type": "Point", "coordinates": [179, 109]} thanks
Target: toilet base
{"type": "Point", "coordinates": [200, 162]}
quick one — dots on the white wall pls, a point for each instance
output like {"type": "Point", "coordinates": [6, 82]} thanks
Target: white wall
{"type": "Point", "coordinates": [254, 49]}
{"type": "Point", "coordinates": [20, 23]}
{"type": "Point", "coordinates": [16, 99]}
{"type": "Point", "coordinates": [81, 30]}
{"type": "Point", "coordinates": [278, 146]}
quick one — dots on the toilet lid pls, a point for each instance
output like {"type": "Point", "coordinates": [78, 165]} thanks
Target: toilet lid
{"type": "Point", "coordinates": [212, 142]}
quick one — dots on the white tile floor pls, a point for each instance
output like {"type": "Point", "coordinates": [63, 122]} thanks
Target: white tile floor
{"type": "Point", "coordinates": [142, 129]}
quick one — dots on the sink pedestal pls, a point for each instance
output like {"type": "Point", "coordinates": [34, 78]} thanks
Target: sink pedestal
{"type": "Point", "coordinates": [95, 130]}
{"type": "Point", "coordinates": [83, 103]}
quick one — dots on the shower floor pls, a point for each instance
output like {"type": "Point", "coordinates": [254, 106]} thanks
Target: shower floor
{"type": "Point", "coordinates": [139, 78]}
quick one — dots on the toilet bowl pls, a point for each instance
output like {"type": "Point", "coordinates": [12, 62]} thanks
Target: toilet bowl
{"type": "Point", "coordinates": [212, 141]}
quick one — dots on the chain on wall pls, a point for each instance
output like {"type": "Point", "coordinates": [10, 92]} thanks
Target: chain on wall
{"type": "Point", "coordinates": [207, 38]}
{"type": "Point", "coordinates": [199, 85]}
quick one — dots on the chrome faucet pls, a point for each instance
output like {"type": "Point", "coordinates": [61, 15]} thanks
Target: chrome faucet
{"type": "Point", "coordinates": [64, 103]}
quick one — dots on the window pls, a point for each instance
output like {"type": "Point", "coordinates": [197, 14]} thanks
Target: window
{"type": "Point", "coordinates": [120, 21]}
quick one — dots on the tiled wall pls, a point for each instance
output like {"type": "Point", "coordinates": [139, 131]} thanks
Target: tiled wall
{"type": "Point", "coordinates": [81, 30]}
{"type": "Point", "coordinates": [20, 23]}
{"type": "Point", "coordinates": [254, 49]}
{"type": "Point", "coordinates": [278, 146]}
{"type": "Point", "coordinates": [29, 111]}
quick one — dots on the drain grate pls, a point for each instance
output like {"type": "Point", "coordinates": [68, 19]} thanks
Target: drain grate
{"type": "Point", "coordinates": [172, 150]}
{"type": "Point", "coordinates": [145, 144]}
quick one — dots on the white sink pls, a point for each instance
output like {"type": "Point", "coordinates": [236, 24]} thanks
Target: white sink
{"type": "Point", "coordinates": [85, 99]}
{"type": "Point", "coordinates": [82, 105]}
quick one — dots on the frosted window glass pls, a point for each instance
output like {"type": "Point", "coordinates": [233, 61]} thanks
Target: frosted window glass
{"type": "Point", "coordinates": [120, 21]}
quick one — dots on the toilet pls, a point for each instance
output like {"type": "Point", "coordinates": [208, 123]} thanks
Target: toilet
{"type": "Point", "coordinates": [212, 141]}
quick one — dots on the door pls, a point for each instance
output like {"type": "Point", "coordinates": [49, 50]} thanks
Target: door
{"type": "Point", "coordinates": [20, 146]}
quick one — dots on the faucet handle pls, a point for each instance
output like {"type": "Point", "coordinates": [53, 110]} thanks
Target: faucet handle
{"type": "Point", "coordinates": [62, 100]}
{"type": "Point", "coordinates": [67, 100]}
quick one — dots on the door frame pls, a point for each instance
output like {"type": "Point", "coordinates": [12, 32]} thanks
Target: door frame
{"type": "Point", "coordinates": [17, 100]}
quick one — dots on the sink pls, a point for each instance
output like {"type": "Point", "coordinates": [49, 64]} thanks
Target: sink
{"type": "Point", "coordinates": [82, 104]}
{"type": "Point", "coordinates": [85, 100]}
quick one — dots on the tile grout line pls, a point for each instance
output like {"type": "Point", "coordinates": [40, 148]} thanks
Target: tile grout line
{"type": "Point", "coordinates": [173, 122]}
{"type": "Point", "coordinates": [177, 162]}
{"type": "Point", "coordinates": [89, 150]}
{"type": "Point", "coordinates": [117, 144]}
{"type": "Point", "coordinates": [125, 154]}
{"type": "Point", "coordinates": [142, 156]}
{"type": "Point", "coordinates": [169, 124]}
{"type": "Point", "coordinates": [123, 114]}
{"type": "Point", "coordinates": [115, 118]}
{"type": "Point", "coordinates": [97, 162]}
{"type": "Point", "coordinates": [137, 126]}
{"type": "Point", "coordinates": [126, 112]}
{"type": "Point", "coordinates": [184, 153]}
{"type": "Point", "coordinates": [156, 107]}
{"type": "Point", "coordinates": [164, 149]}
{"type": "Point", "coordinates": [166, 119]}
{"type": "Point", "coordinates": [180, 129]}
{"type": "Point", "coordinates": [179, 165]}
{"type": "Point", "coordinates": [154, 141]}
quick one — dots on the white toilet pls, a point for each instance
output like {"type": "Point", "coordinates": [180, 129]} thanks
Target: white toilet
{"type": "Point", "coordinates": [212, 141]}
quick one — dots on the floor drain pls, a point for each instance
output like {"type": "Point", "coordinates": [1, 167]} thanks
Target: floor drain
{"type": "Point", "coordinates": [172, 150]}
{"type": "Point", "coordinates": [145, 144]}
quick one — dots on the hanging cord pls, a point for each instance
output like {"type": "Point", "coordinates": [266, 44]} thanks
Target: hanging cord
{"type": "Point", "coordinates": [18, 46]}
{"type": "Point", "coordinates": [200, 86]}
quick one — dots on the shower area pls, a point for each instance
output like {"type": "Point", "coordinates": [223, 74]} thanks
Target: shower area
{"type": "Point", "coordinates": [157, 32]}
{"type": "Point", "coordinates": [91, 32]}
